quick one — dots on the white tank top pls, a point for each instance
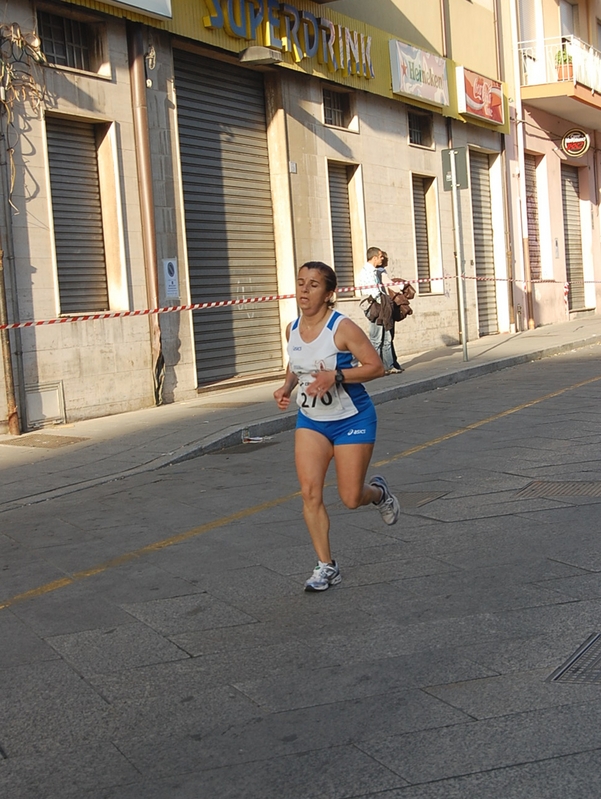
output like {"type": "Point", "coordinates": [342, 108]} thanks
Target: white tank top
{"type": "Point", "coordinates": [340, 401]}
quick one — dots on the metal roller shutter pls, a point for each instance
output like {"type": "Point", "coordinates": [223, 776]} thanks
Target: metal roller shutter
{"type": "Point", "coordinates": [229, 216]}
{"type": "Point", "coordinates": [483, 243]}
{"type": "Point", "coordinates": [572, 232]}
{"type": "Point", "coordinates": [77, 216]}
{"type": "Point", "coordinates": [422, 249]}
{"type": "Point", "coordinates": [532, 215]}
{"type": "Point", "coordinates": [340, 211]}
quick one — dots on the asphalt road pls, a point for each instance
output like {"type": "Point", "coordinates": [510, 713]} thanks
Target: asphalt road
{"type": "Point", "coordinates": [156, 642]}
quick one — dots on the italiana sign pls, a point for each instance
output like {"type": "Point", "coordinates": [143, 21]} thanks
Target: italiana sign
{"type": "Point", "coordinates": [480, 97]}
{"type": "Point", "coordinates": [284, 27]}
{"type": "Point", "coordinates": [418, 74]}
{"type": "Point", "coordinates": [575, 143]}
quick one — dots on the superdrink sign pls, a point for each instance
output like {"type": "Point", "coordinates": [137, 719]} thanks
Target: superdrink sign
{"type": "Point", "coordinates": [284, 27]}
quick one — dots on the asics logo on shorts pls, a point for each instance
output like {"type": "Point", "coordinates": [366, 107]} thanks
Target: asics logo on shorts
{"type": "Point", "coordinates": [356, 432]}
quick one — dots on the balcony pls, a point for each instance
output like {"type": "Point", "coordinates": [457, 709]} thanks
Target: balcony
{"type": "Point", "coordinates": [563, 77]}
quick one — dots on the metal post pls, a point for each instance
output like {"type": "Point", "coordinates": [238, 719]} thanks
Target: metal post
{"type": "Point", "coordinates": [459, 251]}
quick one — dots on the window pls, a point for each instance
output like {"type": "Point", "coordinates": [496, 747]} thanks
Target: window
{"type": "Point", "coordinates": [86, 217]}
{"type": "Point", "coordinates": [77, 216]}
{"type": "Point", "coordinates": [339, 178]}
{"type": "Point", "coordinates": [420, 128]}
{"type": "Point", "coordinates": [422, 248]}
{"type": "Point", "coordinates": [428, 252]}
{"type": "Point", "coordinates": [66, 42]}
{"type": "Point", "coordinates": [337, 108]}
{"type": "Point", "coordinates": [568, 13]}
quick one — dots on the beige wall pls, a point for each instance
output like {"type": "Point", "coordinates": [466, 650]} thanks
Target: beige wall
{"type": "Point", "coordinates": [104, 366]}
{"type": "Point", "coordinates": [386, 160]}
{"type": "Point", "coordinates": [549, 306]}
{"type": "Point", "coordinates": [419, 23]}
{"type": "Point", "coordinates": [470, 24]}
{"type": "Point", "coordinates": [473, 40]}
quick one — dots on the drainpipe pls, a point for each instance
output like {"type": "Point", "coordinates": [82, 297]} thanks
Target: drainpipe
{"type": "Point", "coordinates": [137, 75]}
{"type": "Point", "coordinates": [446, 29]}
{"type": "Point", "coordinates": [509, 231]}
{"type": "Point", "coordinates": [519, 135]}
{"type": "Point", "coordinates": [14, 426]}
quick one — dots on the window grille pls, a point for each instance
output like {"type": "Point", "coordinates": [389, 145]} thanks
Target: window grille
{"type": "Point", "coordinates": [65, 41]}
{"type": "Point", "coordinates": [422, 244]}
{"type": "Point", "coordinates": [420, 128]}
{"type": "Point", "coordinates": [336, 108]}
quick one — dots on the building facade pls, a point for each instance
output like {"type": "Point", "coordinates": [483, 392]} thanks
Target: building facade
{"type": "Point", "coordinates": [557, 121]}
{"type": "Point", "coordinates": [202, 151]}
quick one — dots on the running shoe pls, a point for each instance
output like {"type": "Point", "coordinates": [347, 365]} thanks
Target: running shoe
{"type": "Point", "coordinates": [388, 506]}
{"type": "Point", "coordinates": [324, 575]}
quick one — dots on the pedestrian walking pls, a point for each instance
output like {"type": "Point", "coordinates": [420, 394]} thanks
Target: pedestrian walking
{"type": "Point", "coordinates": [395, 367]}
{"type": "Point", "coordinates": [372, 275]}
{"type": "Point", "coordinates": [330, 358]}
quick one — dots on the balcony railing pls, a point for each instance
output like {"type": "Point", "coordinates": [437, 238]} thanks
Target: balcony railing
{"type": "Point", "coordinates": [557, 60]}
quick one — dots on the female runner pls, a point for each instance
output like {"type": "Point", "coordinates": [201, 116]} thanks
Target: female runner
{"type": "Point", "coordinates": [336, 416]}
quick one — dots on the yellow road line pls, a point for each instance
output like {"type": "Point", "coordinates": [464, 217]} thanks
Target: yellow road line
{"type": "Point", "coordinates": [138, 553]}
{"type": "Point", "coordinates": [244, 514]}
{"type": "Point", "coordinates": [420, 447]}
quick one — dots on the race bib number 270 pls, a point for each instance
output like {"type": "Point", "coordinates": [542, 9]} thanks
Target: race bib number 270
{"type": "Point", "coordinates": [319, 406]}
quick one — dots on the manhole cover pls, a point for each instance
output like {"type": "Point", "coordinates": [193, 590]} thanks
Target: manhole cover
{"type": "Point", "coordinates": [546, 488]}
{"type": "Point", "coordinates": [43, 441]}
{"type": "Point", "coordinates": [584, 666]}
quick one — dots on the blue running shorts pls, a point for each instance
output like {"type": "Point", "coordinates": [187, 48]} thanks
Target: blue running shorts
{"type": "Point", "coordinates": [357, 429]}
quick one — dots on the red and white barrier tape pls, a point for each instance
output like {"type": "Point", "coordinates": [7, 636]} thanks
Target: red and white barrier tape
{"type": "Point", "coordinates": [201, 306]}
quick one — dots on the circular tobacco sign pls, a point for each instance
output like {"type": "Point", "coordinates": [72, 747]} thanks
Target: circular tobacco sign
{"type": "Point", "coordinates": [575, 142]}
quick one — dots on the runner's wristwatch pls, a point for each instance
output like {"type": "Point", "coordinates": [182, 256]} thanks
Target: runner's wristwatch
{"type": "Point", "coordinates": [339, 377]}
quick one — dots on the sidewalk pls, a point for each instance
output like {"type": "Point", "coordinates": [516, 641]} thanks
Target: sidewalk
{"type": "Point", "coordinates": [56, 461]}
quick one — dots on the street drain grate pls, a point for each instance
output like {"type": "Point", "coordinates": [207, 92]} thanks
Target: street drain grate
{"type": "Point", "coordinates": [43, 441]}
{"type": "Point", "coordinates": [545, 488]}
{"type": "Point", "coordinates": [584, 666]}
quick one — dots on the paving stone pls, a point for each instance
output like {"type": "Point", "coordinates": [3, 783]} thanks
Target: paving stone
{"type": "Point", "coordinates": [516, 692]}
{"type": "Point", "coordinates": [277, 735]}
{"type": "Point", "coordinates": [310, 688]}
{"type": "Point", "coordinates": [432, 755]}
{"type": "Point", "coordinates": [546, 651]}
{"type": "Point", "coordinates": [249, 585]}
{"type": "Point", "coordinates": [338, 773]}
{"type": "Point", "coordinates": [19, 644]}
{"type": "Point", "coordinates": [185, 709]}
{"type": "Point", "coordinates": [70, 610]}
{"type": "Point", "coordinates": [23, 572]}
{"type": "Point", "coordinates": [71, 774]}
{"type": "Point", "coordinates": [575, 775]}
{"type": "Point", "coordinates": [225, 667]}
{"type": "Point", "coordinates": [46, 706]}
{"type": "Point", "coordinates": [116, 648]}
{"type": "Point", "coordinates": [583, 586]}
{"type": "Point", "coordinates": [138, 581]}
{"type": "Point", "coordinates": [183, 614]}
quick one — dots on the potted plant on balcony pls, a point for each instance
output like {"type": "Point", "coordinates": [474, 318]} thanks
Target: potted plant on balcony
{"type": "Point", "coordinates": [563, 62]}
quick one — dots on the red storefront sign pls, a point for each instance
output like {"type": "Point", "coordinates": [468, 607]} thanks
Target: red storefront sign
{"type": "Point", "coordinates": [479, 96]}
{"type": "Point", "coordinates": [575, 142]}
